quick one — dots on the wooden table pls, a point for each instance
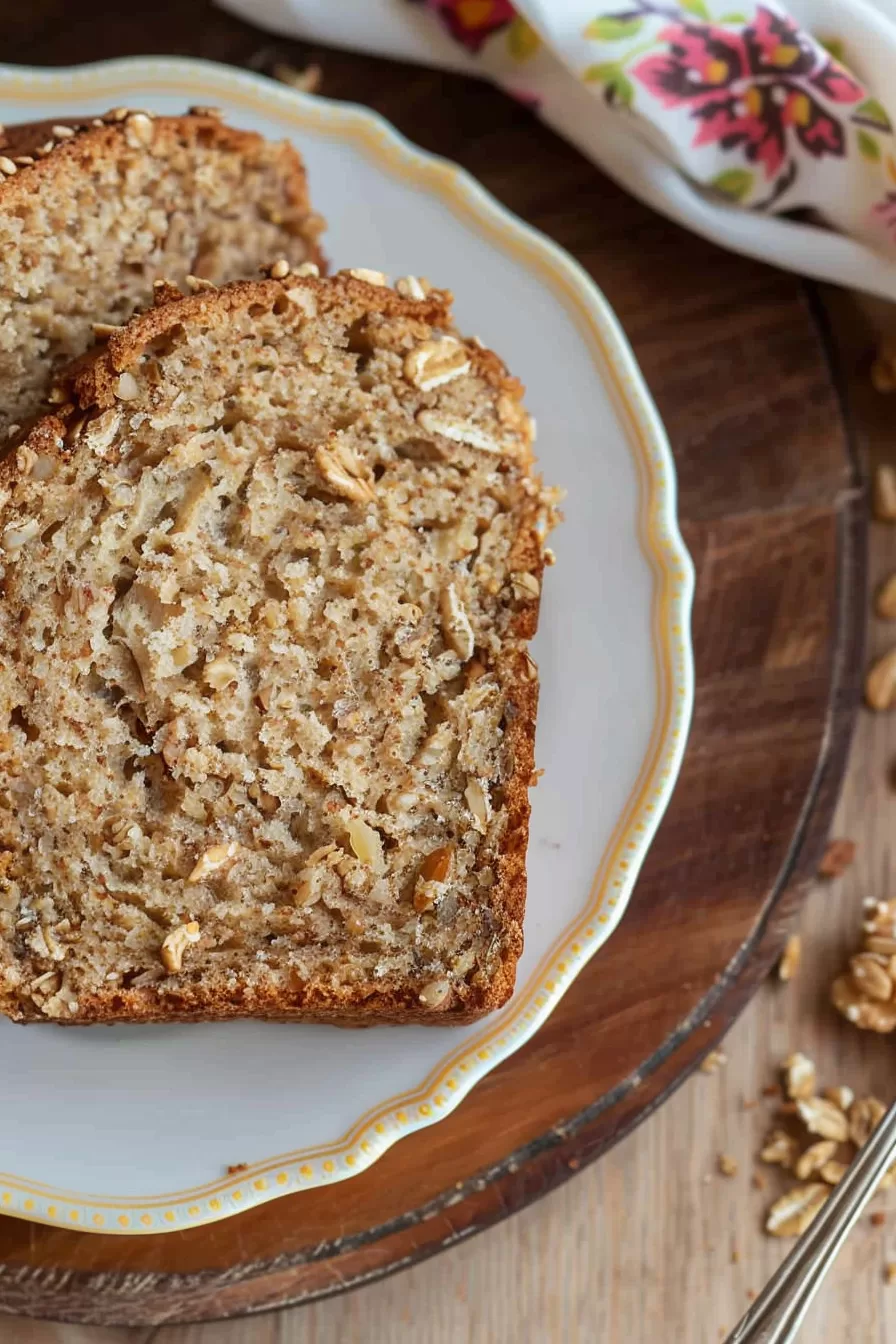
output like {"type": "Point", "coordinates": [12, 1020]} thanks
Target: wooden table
{"type": "Point", "coordinates": [644, 1241]}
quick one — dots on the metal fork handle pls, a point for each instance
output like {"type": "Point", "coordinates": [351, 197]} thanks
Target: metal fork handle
{"type": "Point", "coordinates": [778, 1311]}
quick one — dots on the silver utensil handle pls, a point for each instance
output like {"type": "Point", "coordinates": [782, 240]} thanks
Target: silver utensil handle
{"type": "Point", "coordinates": [778, 1311]}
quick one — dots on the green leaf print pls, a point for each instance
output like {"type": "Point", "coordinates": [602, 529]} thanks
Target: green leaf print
{"type": "Point", "coordinates": [868, 147]}
{"type": "Point", "coordinates": [735, 183]}
{"type": "Point", "coordinates": [697, 7]}
{"type": "Point", "coordinates": [873, 112]}
{"type": "Point", "coordinates": [608, 29]}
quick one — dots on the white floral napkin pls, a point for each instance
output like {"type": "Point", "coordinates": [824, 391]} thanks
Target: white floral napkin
{"type": "Point", "coordinates": [725, 114]}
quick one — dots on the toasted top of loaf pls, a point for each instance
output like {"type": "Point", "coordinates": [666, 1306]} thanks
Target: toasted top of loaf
{"type": "Point", "coordinates": [92, 212]}
{"type": "Point", "coordinates": [266, 710]}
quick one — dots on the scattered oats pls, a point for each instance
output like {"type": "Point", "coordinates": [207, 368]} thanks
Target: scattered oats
{"type": "Point", "coordinates": [370, 277]}
{"type": "Point", "coordinates": [714, 1061]}
{"type": "Point", "coordinates": [62, 132]}
{"type": "Point", "coordinates": [279, 269]}
{"type": "Point", "coordinates": [175, 944]}
{"type": "Point", "coordinates": [435, 993]}
{"type": "Point", "coordinates": [304, 81]}
{"type": "Point", "coordinates": [23, 160]}
{"type": "Point", "coordinates": [478, 802]}
{"type": "Point", "coordinates": [139, 130]}
{"type": "Point", "coordinates": [102, 330]}
{"type": "Point", "coordinates": [196, 283]}
{"type": "Point", "coordinates": [885, 599]}
{"type": "Point", "coordinates": [456, 627]}
{"type": "Point", "coordinates": [890, 1273]}
{"type": "Point", "coordinates": [46, 148]}
{"type": "Point", "coordinates": [367, 844]}
{"type": "Point", "coordinates": [458, 431]}
{"type": "Point", "coordinates": [435, 362]}
{"type": "Point", "coordinates": [213, 860]}
{"type": "Point", "coordinates": [837, 858]}
{"type": "Point", "coordinates": [727, 1165]}
{"type": "Point", "coordinates": [343, 469]}
{"type": "Point", "coordinates": [790, 1215]}
{"type": "Point", "coordinates": [100, 432]}
{"type": "Point", "coordinates": [308, 268]}
{"type": "Point", "coordinates": [883, 499]}
{"type": "Point", "coordinates": [524, 585]}
{"type": "Point", "coordinates": [880, 682]}
{"type": "Point", "coordinates": [790, 958]}
{"type": "Point", "coordinates": [409, 287]}
{"type": "Point", "coordinates": [7, 166]}
{"type": "Point", "coordinates": [14, 538]}
{"type": "Point", "coordinates": [200, 110]}
{"type": "Point", "coordinates": [127, 387]}
{"type": "Point", "coordinates": [833, 1172]}
{"type": "Point", "coordinates": [799, 1076]}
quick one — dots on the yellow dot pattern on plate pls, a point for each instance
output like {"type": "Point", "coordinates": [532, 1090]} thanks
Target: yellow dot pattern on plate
{"type": "Point", "coordinates": [260, 1184]}
{"type": "Point", "coordinates": [307, 1172]}
{"type": "Point", "coordinates": [214, 1205]}
{"type": "Point", "coordinates": [351, 1160]}
{"type": "Point", "coordinates": [28, 1205]}
{"type": "Point", "coordinates": [98, 1219]}
{"type": "Point", "coordinates": [425, 1110]}
{"type": "Point", "coordinates": [282, 1178]}
{"type": "Point", "coordinates": [328, 1167]}
{"type": "Point", "coordinates": [401, 1117]}
{"type": "Point", "coordinates": [51, 1210]}
{"type": "Point", "coordinates": [74, 1215]}
{"type": "Point", "coordinates": [170, 1217]}
{"type": "Point", "coordinates": [7, 1197]}
{"type": "Point", "coordinates": [147, 1221]}
{"type": "Point", "coordinates": [194, 1210]}
{"type": "Point", "coordinates": [236, 1194]}
{"type": "Point", "coordinates": [123, 1220]}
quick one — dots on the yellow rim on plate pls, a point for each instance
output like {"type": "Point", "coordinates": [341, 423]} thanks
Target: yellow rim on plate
{"type": "Point", "coordinates": [445, 1087]}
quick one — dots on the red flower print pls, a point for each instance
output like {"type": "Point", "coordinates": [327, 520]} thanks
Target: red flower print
{"type": "Point", "coordinates": [759, 87]}
{"type": "Point", "coordinates": [472, 22]}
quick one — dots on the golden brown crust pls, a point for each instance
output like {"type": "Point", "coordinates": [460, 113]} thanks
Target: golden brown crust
{"type": "Point", "coordinates": [90, 385]}
{"type": "Point", "coordinates": [108, 136]}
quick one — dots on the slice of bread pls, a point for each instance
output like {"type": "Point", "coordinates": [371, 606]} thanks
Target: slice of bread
{"type": "Point", "coordinates": [266, 708]}
{"type": "Point", "coordinates": [91, 213]}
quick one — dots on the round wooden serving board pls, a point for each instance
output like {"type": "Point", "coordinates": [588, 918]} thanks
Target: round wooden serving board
{"type": "Point", "coordinates": [772, 511]}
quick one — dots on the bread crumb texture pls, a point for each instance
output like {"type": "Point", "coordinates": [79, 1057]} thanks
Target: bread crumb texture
{"type": "Point", "coordinates": [266, 710]}
{"type": "Point", "coordinates": [95, 211]}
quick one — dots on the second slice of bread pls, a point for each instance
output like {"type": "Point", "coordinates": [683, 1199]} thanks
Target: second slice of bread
{"type": "Point", "coordinates": [92, 212]}
{"type": "Point", "coordinates": [266, 708]}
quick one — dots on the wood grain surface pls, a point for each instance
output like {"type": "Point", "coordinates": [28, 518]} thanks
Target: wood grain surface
{"type": "Point", "coordinates": [772, 512]}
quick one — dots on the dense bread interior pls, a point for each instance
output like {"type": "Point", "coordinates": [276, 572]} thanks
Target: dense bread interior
{"type": "Point", "coordinates": [88, 225]}
{"type": "Point", "coordinates": [265, 704]}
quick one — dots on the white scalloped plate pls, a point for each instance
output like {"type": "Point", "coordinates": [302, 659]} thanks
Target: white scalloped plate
{"type": "Point", "coordinates": [131, 1129]}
